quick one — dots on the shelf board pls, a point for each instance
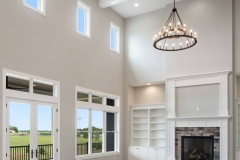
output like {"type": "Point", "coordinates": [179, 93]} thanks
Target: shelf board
{"type": "Point", "coordinates": [157, 129]}
{"type": "Point", "coordinates": [140, 129]}
{"type": "Point", "coordinates": [157, 122]}
{"type": "Point", "coordinates": [158, 138]}
{"type": "Point", "coordinates": [140, 123]}
{"type": "Point", "coordinates": [157, 116]}
{"type": "Point", "coordinates": [155, 104]}
{"type": "Point", "coordinates": [140, 116]}
{"type": "Point", "coordinates": [140, 138]}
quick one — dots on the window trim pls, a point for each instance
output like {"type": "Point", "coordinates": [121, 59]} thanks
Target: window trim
{"type": "Point", "coordinates": [87, 20]}
{"type": "Point", "coordinates": [6, 93]}
{"type": "Point", "coordinates": [98, 107]}
{"type": "Point", "coordinates": [41, 7]}
{"type": "Point", "coordinates": [118, 31]}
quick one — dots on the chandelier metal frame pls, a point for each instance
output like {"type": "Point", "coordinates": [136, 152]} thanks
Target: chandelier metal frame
{"type": "Point", "coordinates": [173, 29]}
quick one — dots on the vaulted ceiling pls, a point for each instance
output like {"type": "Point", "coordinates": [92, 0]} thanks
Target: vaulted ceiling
{"type": "Point", "coordinates": [127, 8]}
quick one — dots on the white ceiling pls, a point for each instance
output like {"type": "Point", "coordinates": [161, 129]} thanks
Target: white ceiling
{"type": "Point", "coordinates": [127, 9]}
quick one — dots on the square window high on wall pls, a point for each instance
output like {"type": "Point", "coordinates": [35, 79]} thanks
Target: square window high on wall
{"type": "Point", "coordinates": [83, 19]}
{"type": "Point", "coordinates": [114, 38]}
{"type": "Point", "coordinates": [36, 5]}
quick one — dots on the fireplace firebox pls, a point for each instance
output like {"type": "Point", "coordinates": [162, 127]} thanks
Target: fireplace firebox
{"type": "Point", "coordinates": [197, 148]}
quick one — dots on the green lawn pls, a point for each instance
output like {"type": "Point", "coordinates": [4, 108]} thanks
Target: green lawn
{"type": "Point", "coordinates": [16, 140]}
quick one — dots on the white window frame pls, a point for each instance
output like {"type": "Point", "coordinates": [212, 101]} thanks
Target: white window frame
{"type": "Point", "coordinates": [41, 7]}
{"type": "Point", "coordinates": [98, 107]}
{"type": "Point", "coordinates": [8, 93]}
{"type": "Point", "coordinates": [117, 40]}
{"type": "Point", "coordinates": [87, 26]}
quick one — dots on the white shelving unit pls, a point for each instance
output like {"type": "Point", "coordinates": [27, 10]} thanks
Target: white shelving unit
{"type": "Point", "coordinates": [148, 125]}
{"type": "Point", "coordinates": [148, 132]}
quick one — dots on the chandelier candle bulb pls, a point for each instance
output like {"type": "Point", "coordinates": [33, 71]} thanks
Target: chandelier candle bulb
{"type": "Point", "coordinates": [181, 45]}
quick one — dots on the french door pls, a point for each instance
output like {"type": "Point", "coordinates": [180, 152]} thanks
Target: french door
{"type": "Point", "coordinates": [32, 130]}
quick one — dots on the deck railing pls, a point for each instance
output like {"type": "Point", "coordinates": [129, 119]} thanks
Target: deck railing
{"type": "Point", "coordinates": [82, 148]}
{"type": "Point", "coordinates": [44, 152]}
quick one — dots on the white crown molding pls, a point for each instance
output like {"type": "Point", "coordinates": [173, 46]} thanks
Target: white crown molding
{"type": "Point", "coordinates": [200, 75]}
{"type": "Point", "coordinates": [108, 3]}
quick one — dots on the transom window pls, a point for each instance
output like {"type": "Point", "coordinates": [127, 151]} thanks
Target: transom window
{"type": "Point", "coordinates": [35, 86]}
{"type": "Point", "coordinates": [36, 5]}
{"type": "Point", "coordinates": [114, 38]}
{"type": "Point", "coordinates": [83, 19]}
{"type": "Point", "coordinates": [97, 123]}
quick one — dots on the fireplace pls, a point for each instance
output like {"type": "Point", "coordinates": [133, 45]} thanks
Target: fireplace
{"type": "Point", "coordinates": [197, 148]}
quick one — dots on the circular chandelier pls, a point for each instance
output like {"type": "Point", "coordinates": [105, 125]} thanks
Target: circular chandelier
{"type": "Point", "coordinates": [173, 32]}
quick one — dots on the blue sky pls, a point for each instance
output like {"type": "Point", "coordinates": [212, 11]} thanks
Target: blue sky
{"type": "Point", "coordinates": [97, 118]}
{"type": "Point", "coordinates": [33, 3]}
{"type": "Point", "coordinates": [20, 116]}
{"type": "Point", "coordinates": [113, 37]}
{"type": "Point", "coordinates": [81, 19]}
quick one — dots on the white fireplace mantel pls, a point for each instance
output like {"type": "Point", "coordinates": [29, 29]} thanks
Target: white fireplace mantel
{"type": "Point", "coordinates": [220, 121]}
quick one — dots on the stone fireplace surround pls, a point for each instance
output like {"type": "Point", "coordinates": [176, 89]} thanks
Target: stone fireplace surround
{"type": "Point", "coordinates": [220, 121]}
{"type": "Point", "coordinates": [197, 131]}
{"type": "Point", "coordinates": [210, 122]}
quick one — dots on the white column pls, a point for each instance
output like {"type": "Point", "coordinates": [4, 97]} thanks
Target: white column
{"type": "Point", "coordinates": [171, 140]}
{"type": "Point", "coordinates": [223, 96]}
{"type": "Point", "coordinates": [171, 99]}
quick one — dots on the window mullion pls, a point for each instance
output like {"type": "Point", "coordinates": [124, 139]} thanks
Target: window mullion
{"type": "Point", "coordinates": [90, 133]}
{"type": "Point", "coordinates": [31, 86]}
{"type": "Point", "coordinates": [116, 131]}
{"type": "Point", "coordinates": [104, 133]}
{"type": "Point", "coordinates": [90, 97]}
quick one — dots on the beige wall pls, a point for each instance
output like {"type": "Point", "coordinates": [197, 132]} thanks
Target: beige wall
{"type": "Point", "coordinates": [198, 101]}
{"type": "Point", "coordinates": [149, 94]}
{"type": "Point", "coordinates": [212, 20]}
{"type": "Point", "coordinates": [49, 47]}
{"type": "Point", "coordinates": [143, 63]}
{"type": "Point", "coordinates": [236, 35]}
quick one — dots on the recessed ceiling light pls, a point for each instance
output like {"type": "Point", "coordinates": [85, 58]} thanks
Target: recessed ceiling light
{"type": "Point", "coordinates": [149, 84]}
{"type": "Point", "coordinates": [136, 4]}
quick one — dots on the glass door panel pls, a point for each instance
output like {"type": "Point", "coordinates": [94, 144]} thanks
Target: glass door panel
{"type": "Point", "coordinates": [97, 128]}
{"type": "Point", "coordinates": [44, 132]}
{"type": "Point", "coordinates": [32, 130]}
{"type": "Point", "coordinates": [82, 131]}
{"type": "Point", "coordinates": [19, 130]}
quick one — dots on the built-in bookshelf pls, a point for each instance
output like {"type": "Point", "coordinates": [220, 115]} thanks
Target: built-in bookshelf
{"type": "Point", "coordinates": [149, 125]}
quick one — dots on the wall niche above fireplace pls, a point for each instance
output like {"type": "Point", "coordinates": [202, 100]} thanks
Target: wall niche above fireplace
{"type": "Point", "coordinates": [197, 147]}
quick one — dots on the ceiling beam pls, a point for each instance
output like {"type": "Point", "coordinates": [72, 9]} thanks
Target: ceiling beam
{"type": "Point", "coordinates": [109, 3]}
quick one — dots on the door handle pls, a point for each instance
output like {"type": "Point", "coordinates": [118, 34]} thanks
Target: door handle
{"type": "Point", "coordinates": [32, 153]}
{"type": "Point", "coordinates": [36, 153]}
